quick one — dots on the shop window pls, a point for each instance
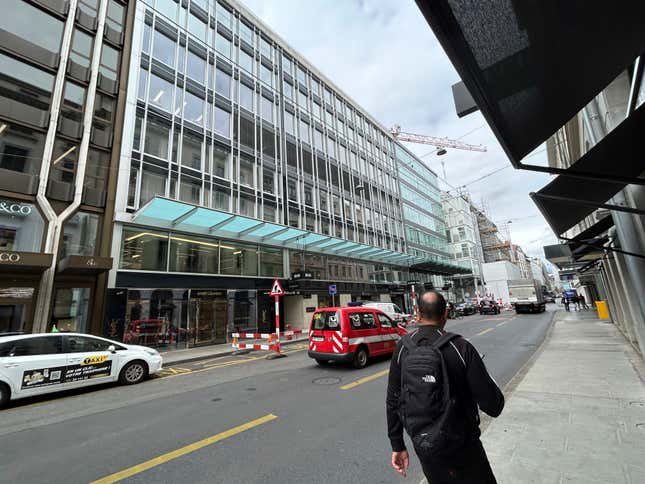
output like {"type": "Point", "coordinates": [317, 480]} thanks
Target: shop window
{"type": "Point", "coordinates": [26, 91]}
{"type": "Point", "coordinates": [34, 28]}
{"type": "Point", "coordinates": [191, 151]}
{"type": "Point", "coordinates": [222, 124]}
{"type": "Point", "coordinates": [160, 93]}
{"type": "Point", "coordinates": [21, 149]}
{"type": "Point", "coordinates": [71, 309]}
{"type": "Point", "coordinates": [21, 226]}
{"type": "Point", "coordinates": [79, 234]}
{"type": "Point", "coordinates": [271, 262]}
{"type": "Point", "coordinates": [144, 249]}
{"type": "Point", "coordinates": [238, 259]}
{"type": "Point", "coordinates": [193, 254]}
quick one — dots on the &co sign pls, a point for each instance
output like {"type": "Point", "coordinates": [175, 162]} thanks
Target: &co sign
{"type": "Point", "coordinates": [9, 257]}
{"type": "Point", "coordinates": [15, 208]}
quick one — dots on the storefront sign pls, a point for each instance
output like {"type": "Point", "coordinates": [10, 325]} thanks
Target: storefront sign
{"type": "Point", "coordinates": [302, 275]}
{"type": "Point", "coordinates": [15, 208]}
{"type": "Point", "coordinates": [9, 257]}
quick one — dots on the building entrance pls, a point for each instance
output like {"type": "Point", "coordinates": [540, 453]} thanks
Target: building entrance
{"type": "Point", "coordinates": [208, 316]}
{"type": "Point", "coordinates": [15, 308]}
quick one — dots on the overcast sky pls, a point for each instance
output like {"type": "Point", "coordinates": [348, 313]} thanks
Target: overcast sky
{"type": "Point", "coordinates": [383, 54]}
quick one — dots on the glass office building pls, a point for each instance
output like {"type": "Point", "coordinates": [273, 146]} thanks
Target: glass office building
{"type": "Point", "coordinates": [244, 163]}
{"type": "Point", "coordinates": [60, 70]}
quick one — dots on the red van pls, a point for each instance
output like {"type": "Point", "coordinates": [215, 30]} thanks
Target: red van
{"type": "Point", "coordinates": [351, 334]}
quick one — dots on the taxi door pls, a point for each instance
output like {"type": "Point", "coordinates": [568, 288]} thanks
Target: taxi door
{"type": "Point", "coordinates": [35, 365]}
{"type": "Point", "coordinates": [389, 332]}
{"type": "Point", "coordinates": [89, 362]}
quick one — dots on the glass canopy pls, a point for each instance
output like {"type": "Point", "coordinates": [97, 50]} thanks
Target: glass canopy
{"type": "Point", "coordinates": [175, 215]}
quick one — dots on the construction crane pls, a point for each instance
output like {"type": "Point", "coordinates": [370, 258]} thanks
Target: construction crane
{"type": "Point", "coordinates": [440, 143]}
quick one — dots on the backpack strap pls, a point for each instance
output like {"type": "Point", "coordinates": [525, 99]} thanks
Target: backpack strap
{"type": "Point", "coordinates": [444, 339]}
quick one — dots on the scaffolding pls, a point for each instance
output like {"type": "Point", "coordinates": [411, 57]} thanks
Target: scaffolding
{"type": "Point", "coordinates": [495, 239]}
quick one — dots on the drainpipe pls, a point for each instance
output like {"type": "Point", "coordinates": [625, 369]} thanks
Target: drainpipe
{"type": "Point", "coordinates": [55, 222]}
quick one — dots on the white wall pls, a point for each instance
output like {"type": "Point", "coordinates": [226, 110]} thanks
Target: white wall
{"type": "Point", "coordinates": [295, 313]}
{"type": "Point", "coordinates": [497, 275]}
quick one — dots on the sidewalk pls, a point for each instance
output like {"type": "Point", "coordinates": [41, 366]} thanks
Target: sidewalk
{"type": "Point", "coordinates": [175, 357]}
{"type": "Point", "coordinates": [578, 415]}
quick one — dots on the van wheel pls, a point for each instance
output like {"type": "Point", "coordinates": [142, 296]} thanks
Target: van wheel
{"type": "Point", "coordinates": [360, 358]}
{"type": "Point", "coordinates": [133, 373]}
{"type": "Point", "coordinates": [322, 362]}
{"type": "Point", "coordinates": [5, 394]}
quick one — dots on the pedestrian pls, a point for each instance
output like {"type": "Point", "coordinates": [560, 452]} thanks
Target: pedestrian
{"type": "Point", "coordinates": [583, 302]}
{"type": "Point", "coordinates": [445, 381]}
{"type": "Point", "coordinates": [576, 301]}
{"type": "Point", "coordinates": [565, 301]}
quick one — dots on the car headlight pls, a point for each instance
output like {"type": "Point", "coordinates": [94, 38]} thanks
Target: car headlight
{"type": "Point", "coordinates": [151, 352]}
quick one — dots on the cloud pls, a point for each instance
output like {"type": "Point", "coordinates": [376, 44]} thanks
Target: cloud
{"type": "Point", "coordinates": [384, 56]}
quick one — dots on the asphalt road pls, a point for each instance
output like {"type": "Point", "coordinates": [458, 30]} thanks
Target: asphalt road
{"type": "Point", "coordinates": [236, 420]}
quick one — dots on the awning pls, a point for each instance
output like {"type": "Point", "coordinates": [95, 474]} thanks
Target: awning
{"type": "Point", "coordinates": [24, 262]}
{"type": "Point", "coordinates": [531, 66]}
{"type": "Point", "coordinates": [164, 213]}
{"type": "Point", "coordinates": [566, 200]}
{"type": "Point", "coordinates": [80, 264]}
{"type": "Point", "coordinates": [440, 268]}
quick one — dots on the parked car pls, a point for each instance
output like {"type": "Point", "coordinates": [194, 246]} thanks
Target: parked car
{"type": "Point", "coordinates": [391, 309]}
{"type": "Point", "coordinates": [489, 307]}
{"type": "Point", "coordinates": [351, 335]}
{"type": "Point", "coordinates": [34, 364]}
{"type": "Point", "coordinates": [466, 309]}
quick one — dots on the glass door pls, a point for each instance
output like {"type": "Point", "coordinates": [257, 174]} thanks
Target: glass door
{"type": "Point", "coordinates": [15, 308]}
{"type": "Point", "coordinates": [208, 316]}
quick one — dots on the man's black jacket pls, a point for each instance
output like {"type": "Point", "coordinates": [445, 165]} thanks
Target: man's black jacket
{"type": "Point", "coordinates": [469, 382]}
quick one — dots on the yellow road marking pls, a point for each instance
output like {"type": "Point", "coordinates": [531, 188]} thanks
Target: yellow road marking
{"type": "Point", "coordinates": [162, 459]}
{"type": "Point", "coordinates": [485, 331]}
{"type": "Point", "coordinates": [360, 381]}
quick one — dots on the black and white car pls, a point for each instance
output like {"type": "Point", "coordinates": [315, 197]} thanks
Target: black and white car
{"type": "Point", "coordinates": [34, 364]}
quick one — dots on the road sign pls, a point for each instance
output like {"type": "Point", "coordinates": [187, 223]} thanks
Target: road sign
{"type": "Point", "coordinates": [332, 289]}
{"type": "Point", "coordinates": [276, 288]}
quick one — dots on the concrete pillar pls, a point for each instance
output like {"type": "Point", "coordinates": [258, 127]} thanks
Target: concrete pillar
{"type": "Point", "coordinates": [385, 298]}
{"type": "Point", "coordinates": [295, 311]}
{"type": "Point", "coordinates": [632, 300]}
{"type": "Point", "coordinates": [343, 299]}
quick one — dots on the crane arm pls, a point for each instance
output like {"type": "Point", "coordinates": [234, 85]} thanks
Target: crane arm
{"type": "Point", "coordinates": [434, 141]}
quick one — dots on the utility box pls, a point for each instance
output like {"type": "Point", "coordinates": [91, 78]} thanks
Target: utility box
{"type": "Point", "coordinates": [603, 311]}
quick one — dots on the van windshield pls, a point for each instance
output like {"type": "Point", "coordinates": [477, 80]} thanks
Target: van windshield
{"type": "Point", "coordinates": [326, 320]}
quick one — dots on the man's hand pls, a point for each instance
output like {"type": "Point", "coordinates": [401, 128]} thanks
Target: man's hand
{"type": "Point", "coordinates": [400, 462]}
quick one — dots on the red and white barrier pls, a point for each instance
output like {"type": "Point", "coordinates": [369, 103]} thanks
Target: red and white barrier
{"type": "Point", "coordinates": [271, 343]}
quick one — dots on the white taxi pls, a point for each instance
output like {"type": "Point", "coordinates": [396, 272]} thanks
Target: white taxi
{"type": "Point", "coordinates": [33, 364]}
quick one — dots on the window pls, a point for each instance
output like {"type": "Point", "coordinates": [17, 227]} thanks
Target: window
{"type": "Point", "coordinates": [222, 123]}
{"type": "Point", "coordinates": [247, 205]}
{"type": "Point", "coordinates": [196, 67]}
{"type": "Point", "coordinates": [287, 65]}
{"type": "Point", "coordinates": [71, 309]}
{"type": "Point", "coordinates": [289, 126]}
{"type": "Point", "coordinates": [224, 16]}
{"type": "Point", "coordinates": [238, 259]}
{"type": "Point", "coordinates": [109, 63]}
{"type": "Point", "coordinates": [79, 234]}
{"type": "Point", "coordinates": [221, 163]}
{"type": "Point", "coordinates": [81, 51]}
{"type": "Point", "coordinates": [191, 150]}
{"type": "Point", "coordinates": [223, 83]}
{"type": "Point", "coordinates": [144, 249]}
{"type": "Point", "coordinates": [304, 132]}
{"type": "Point", "coordinates": [267, 109]}
{"type": "Point", "coordinates": [64, 159]}
{"type": "Point", "coordinates": [271, 262]}
{"type": "Point", "coordinates": [115, 16]}
{"type": "Point", "coordinates": [292, 189]}
{"type": "Point", "coordinates": [268, 143]}
{"type": "Point", "coordinates": [266, 75]}
{"type": "Point", "coordinates": [247, 167]}
{"type": "Point", "coordinates": [385, 321]}
{"type": "Point", "coordinates": [167, 8]}
{"type": "Point", "coordinates": [85, 344]}
{"type": "Point", "coordinates": [362, 320]}
{"type": "Point", "coordinates": [246, 33]}
{"type": "Point", "coordinates": [221, 198]}
{"type": "Point", "coordinates": [160, 93]}
{"type": "Point", "coordinates": [302, 100]}
{"type": "Point", "coordinates": [157, 138]}
{"type": "Point", "coordinates": [268, 181]}
{"type": "Point", "coordinates": [197, 27]}
{"type": "Point", "coordinates": [194, 254]}
{"type": "Point", "coordinates": [265, 49]}
{"type": "Point", "coordinates": [21, 227]}
{"type": "Point", "coordinates": [247, 132]}
{"type": "Point", "coordinates": [96, 170]}
{"type": "Point", "coordinates": [246, 97]}
{"type": "Point", "coordinates": [190, 190]}
{"type": "Point", "coordinates": [223, 46]}
{"type": "Point", "coordinates": [302, 77]}
{"type": "Point", "coordinates": [194, 109]}
{"type": "Point", "coordinates": [288, 90]}
{"type": "Point", "coordinates": [246, 62]}
{"type": "Point", "coordinates": [269, 212]}
{"type": "Point", "coordinates": [153, 183]}
{"type": "Point", "coordinates": [33, 26]}
{"type": "Point", "coordinates": [318, 140]}
{"type": "Point", "coordinates": [41, 345]}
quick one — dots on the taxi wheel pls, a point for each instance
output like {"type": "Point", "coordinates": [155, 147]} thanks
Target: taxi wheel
{"type": "Point", "coordinates": [133, 373]}
{"type": "Point", "coordinates": [322, 362]}
{"type": "Point", "coordinates": [4, 394]}
{"type": "Point", "coordinates": [360, 358]}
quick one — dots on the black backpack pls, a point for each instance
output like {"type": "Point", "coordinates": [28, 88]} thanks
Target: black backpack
{"type": "Point", "coordinates": [427, 408]}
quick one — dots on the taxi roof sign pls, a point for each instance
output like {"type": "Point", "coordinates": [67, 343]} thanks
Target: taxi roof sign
{"type": "Point", "coordinates": [276, 288]}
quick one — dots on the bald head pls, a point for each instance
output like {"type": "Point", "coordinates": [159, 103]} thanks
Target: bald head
{"type": "Point", "coordinates": [432, 307]}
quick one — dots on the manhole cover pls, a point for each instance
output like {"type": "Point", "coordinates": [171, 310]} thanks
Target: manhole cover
{"type": "Point", "coordinates": [328, 380]}
{"type": "Point", "coordinates": [637, 404]}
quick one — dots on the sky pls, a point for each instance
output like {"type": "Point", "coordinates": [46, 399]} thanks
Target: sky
{"type": "Point", "coordinates": [383, 54]}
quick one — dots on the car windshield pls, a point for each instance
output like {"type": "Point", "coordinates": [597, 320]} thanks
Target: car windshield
{"type": "Point", "coordinates": [326, 320]}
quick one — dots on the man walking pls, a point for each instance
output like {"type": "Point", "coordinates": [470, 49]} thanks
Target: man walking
{"type": "Point", "coordinates": [565, 301]}
{"type": "Point", "coordinates": [437, 382]}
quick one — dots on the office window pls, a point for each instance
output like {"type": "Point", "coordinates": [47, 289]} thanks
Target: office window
{"type": "Point", "coordinates": [223, 83]}
{"type": "Point", "coordinates": [194, 108]}
{"type": "Point", "coordinates": [25, 88]}
{"type": "Point", "coordinates": [193, 254]}
{"type": "Point", "coordinates": [64, 160]}
{"type": "Point", "coordinates": [221, 162]}
{"type": "Point", "coordinates": [21, 148]}
{"type": "Point", "coordinates": [246, 33]}
{"type": "Point", "coordinates": [271, 262]}
{"type": "Point", "coordinates": [144, 249]}
{"type": "Point", "coordinates": [197, 27]}
{"type": "Point", "coordinates": [302, 100]}
{"type": "Point", "coordinates": [247, 205]}
{"type": "Point", "coordinates": [267, 109]}
{"type": "Point", "coordinates": [167, 8]}
{"type": "Point", "coordinates": [109, 67]}
{"type": "Point", "coordinates": [81, 51]}
{"type": "Point", "coordinates": [96, 169]}
{"type": "Point", "coordinates": [157, 138]}
{"type": "Point", "coordinates": [301, 76]}
{"type": "Point", "coordinates": [222, 124]}
{"type": "Point", "coordinates": [289, 121]}
{"type": "Point", "coordinates": [268, 143]}
{"type": "Point", "coordinates": [304, 132]}
{"type": "Point", "coordinates": [269, 214]}
{"type": "Point", "coordinates": [287, 65]}
{"type": "Point", "coordinates": [221, 198]}
{"type": "Point", "coordinates": [292, 189]}
{"type": "Point", "coordinates": [196, 67]}
{"type": "Point", "coordinates": [246, 97]}
{"type": "Point", "coordinates": [318, 140]}
{"type": "Point", "coordinates": [266, 49]}
{"type": "Point", "coordinates": [160, 93]}
{"type": "Point", "coordinates": [224, 16]}
{"type": "Point", "coordinates": [34, 26]}
{"type": "Point", "coordinates": [191, 150]}
{"type": "Point", "coordinates": [247, 168]}
{"type": "Point", "coordinates": [115, 16]}
{"type": "Point", "coordinates": [266, 75]}
{"type": "Point", "coordinates": [190, 190]}
{"type": "Point", "coordinates": [246, 62]}
{"type": "Point", "coordinates": [287, 90]}
{"type": "Point", "coordinates": [223, 46]}
{"type": "Point", "coordinates": [238, 259]}
{"type": "Point", "coordinates": [307, 163]}
{"type": "Point", "coordinates": [268, 181]}
{"type": "Point", "coordinates": [153, 182]}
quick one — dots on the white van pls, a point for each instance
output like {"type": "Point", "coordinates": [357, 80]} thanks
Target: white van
{"type": "Point", "coordinates": [391, 309]}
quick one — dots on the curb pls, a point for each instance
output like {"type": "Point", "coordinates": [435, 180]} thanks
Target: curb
{"type": "Point", "coordinates": [191, 359]}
